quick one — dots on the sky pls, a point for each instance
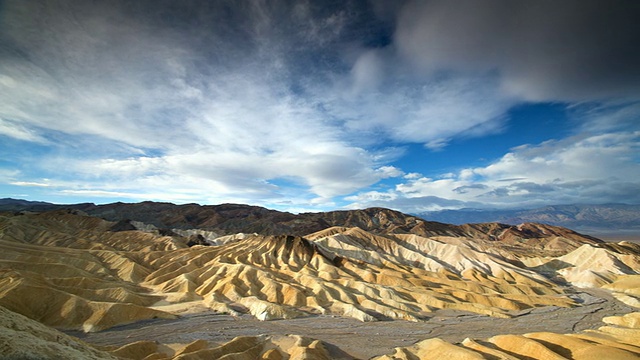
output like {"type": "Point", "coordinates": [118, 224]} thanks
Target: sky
{"type": "Point", "coordinates": [321, 105]}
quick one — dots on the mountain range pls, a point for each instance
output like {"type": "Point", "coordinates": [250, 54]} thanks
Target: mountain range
{"type": "Point", "coordinates": [616, 220]}
{"type": "Point", "coordinates": [225, 219]}
{"type": "Point", "coordinates": [165, 281]}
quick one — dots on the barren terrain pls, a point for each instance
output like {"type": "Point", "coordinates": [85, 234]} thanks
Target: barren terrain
{"type": "Point", "coordinates": [404, 288]}
{"type": "Point", "coordinates": [348, 338]}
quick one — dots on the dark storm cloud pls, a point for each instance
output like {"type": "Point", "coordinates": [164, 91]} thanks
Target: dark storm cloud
{"type": "Point", "coordinates": [543, 50]}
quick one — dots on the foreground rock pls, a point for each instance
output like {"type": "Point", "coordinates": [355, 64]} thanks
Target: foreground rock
{"type": "Point", "coordinates": [23, 338]}
{"type": "Point", "coordinates": [621, 342]}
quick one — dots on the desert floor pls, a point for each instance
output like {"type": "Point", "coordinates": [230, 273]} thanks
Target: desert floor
{"type": "Point", "coordinates": [350, 338]}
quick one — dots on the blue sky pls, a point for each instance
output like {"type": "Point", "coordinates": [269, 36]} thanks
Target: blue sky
{"type": "Point", "coordinates": [315, 105]}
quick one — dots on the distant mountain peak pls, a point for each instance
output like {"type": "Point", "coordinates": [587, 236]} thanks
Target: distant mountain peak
{"type": "Point", "coordinates": [594, 218]}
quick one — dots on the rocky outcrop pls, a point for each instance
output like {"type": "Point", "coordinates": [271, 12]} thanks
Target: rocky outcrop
{"type": "Point", "coordinates": [228, 219]}
{"type": "Point", "coordinates": [92, 278]}
{"type": "Point", "coordinates": [72, 271]}
{"type": "Point", "coordinates": [24, 338]}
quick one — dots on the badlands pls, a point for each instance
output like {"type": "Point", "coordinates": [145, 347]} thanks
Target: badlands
{"type": "Point", "coordinates": [160, 281]}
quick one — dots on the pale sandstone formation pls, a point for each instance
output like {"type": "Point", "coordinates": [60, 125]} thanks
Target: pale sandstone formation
{"type": "Point", "coordinates": [615, 267]}
{"type": "Point", "coordinates": [263, 347]}
{"type": "Point", "coordinates": [432, 349]}
{"type": "Point", "coordinates": [87, 277]}
{"type": "Point", "coordinates": [292, 273]}
{"type": "Point", "coordinates": [93, 278]}
{"type": "Point", "coordinates": [23, 338]}
{"type": "Point", "coordinates": [621, 342]}
{"type": "Point", "coordinates": [72, 271]}
{"type": "Point", "coordinates": [67, 271]}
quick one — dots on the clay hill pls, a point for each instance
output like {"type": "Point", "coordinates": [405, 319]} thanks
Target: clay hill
{"type": "Point", "coordinates": [91, 268]}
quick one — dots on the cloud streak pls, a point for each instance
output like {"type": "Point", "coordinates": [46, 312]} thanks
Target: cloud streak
{"type": "Point", "coordinates": [269, 102]}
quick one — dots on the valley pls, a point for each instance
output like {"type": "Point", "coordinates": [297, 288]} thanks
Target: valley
{"type": "Point", "coordinates": [344, 337]}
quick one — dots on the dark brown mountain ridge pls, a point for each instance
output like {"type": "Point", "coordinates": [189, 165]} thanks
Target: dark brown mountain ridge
{"type": "Point", "coordinates": [227, 219]}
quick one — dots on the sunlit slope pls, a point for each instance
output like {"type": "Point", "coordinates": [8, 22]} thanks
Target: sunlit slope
{"type": "Point", "coordinates": [615, 267]}
{"type": "Point", "coordinates": [617, 340]}
{"type": "Point", "coordinates": [69, 271]}
{"type": "Point", "coordinates": [74, 271]}
{"type": "Point", "coordinates": [353, 274]}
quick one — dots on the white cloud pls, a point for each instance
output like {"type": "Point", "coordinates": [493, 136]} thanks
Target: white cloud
{"type": "Point", "coordinates": [324, 169]}
{"type": "Point", "coordinates": [437, 144]}
{"type": "Point", "coordinates": [389, 172]}
{"type": "Point", "coordinates": [406, 204]}
{"type": "Point", "coordinates": [20, 132]}
{"type": "Point", "coordinates": [413, 109]}
{"type": "Point", "coordinates": [587, 168]}
{"type": "Point", "coordinates": [30, 183]}
{"type": "Point", "coordinates": [367, 72]}
{"type": "Point", "coordinates": [372, 196]}
{"type": "Point", "coordinates": [576, 158]}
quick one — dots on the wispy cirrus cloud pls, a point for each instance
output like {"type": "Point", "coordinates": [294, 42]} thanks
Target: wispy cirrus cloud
{"type": "Point", "coordinates": [274, 103]}
{"type": "Point", "coordinates": [15, 130]}
{"type": "Point", "coordinates": [31, 183]}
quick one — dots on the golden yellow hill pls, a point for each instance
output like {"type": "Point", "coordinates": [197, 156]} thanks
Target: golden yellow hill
{"type": "Point", "coordinates": [70, 271]}
{"type": "Point", "coordinates": [23, 338]}
{"type": "Point", "coordinates": [621, 342]}
{"type": "Point", "coordinates": [615, 267]}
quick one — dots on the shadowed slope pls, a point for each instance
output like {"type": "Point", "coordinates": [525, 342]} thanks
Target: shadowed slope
{"type": "Point", "coordinates": [101, 278]}
{"type": "Point", "coordinates": [73, 271]}
{"type": "Point", "coordinates": [67, 271]}
{"type": "Point", "coordinates": [23, 338]}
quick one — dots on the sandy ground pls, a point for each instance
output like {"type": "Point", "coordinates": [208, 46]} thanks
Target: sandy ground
{"type": "Point", "coordinates": [352, 338]}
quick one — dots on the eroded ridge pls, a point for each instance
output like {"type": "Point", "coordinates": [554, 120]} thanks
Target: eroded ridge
{"type": "Point", "coordinates": [93, 278]}
{"type": "Point", "coordinates": [76, 272]}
